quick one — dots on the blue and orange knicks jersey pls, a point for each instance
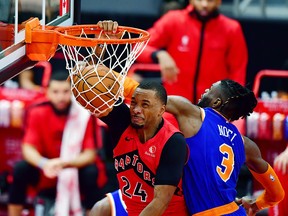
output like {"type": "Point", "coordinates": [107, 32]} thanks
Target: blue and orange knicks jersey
{"type": "Point", "coordinates": [216, 156]}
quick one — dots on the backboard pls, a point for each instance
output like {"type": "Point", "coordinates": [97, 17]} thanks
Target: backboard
{"type": "Point", "coordinates": [13, 16]}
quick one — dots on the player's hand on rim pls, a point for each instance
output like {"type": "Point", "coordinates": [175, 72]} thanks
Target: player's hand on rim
{"type": "Point", "coordinates": [110, 29]}
{"type": "Point", "coordinates": [108, 26]}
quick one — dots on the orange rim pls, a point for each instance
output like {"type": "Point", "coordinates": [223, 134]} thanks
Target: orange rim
{"type": "Point", "coordinates": [42, 41]}
{"type": "Point", "coordinates": [69, 35]}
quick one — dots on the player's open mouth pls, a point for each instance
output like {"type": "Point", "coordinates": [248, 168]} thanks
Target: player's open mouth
{"type": "Point", "coordinates": [136, 119]}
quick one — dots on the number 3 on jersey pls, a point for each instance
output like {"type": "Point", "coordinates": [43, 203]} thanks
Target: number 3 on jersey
{"type": "Point", "coordinates": [227, 162]}
{"type": "Point", "coordinates": [138, 191]}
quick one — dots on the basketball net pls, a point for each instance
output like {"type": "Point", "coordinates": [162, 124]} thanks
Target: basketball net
{"type": "Point", "coordinates": [116, 57]}
{"type": "Point", "coordinates": [90, 46]}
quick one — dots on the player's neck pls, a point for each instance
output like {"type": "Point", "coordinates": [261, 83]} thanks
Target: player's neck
{"type": "Point", "coordinates": [146, 134]}
{"type": "Point", "coordinates": [221, 114]}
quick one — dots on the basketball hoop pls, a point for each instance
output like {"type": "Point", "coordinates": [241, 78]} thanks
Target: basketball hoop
{"type": "Point", "coordinates": [85, 46]}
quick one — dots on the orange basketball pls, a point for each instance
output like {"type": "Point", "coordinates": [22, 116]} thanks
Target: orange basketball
{"type": "Point", "coordinates": [96, 91]}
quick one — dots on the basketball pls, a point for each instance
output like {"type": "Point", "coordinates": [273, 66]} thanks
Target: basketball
{"type": "Point", "coordinates": [96, 91]}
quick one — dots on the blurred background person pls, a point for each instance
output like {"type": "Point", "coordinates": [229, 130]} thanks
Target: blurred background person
{"type": "Point", "coordinates": [281, 168]}
{"type": "Point", "coordinates": [196, 47]}
{"type": "Point", "coordinates": [59, 142]}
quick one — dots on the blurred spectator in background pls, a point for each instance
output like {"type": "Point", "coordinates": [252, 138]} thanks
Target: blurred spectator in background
{"type": "Point", "coordinates": [196, 47]}
{"type": "Point", "coordinates": [59, 142]}
{"type": "Point", "coordinates": [281, 169]}
{"type": "Point", "coordinates": [36, 77]}
{"type": "Point", "coordinates": [27, 79]}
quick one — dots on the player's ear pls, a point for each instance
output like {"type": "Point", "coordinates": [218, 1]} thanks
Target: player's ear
{"type": "Point", "coordinates": [163, 109]}
{"type": "Point", "coordinates": [217, 103]}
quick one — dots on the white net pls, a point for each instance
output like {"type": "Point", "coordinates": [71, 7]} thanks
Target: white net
{"type": "Point", "coordinates": [92, 69]}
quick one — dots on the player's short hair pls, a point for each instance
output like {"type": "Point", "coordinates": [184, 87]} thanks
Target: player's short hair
{"type": "Point", "coordinates": [60, 75]}
{"type": "Point", "coordinates": [157, 87]}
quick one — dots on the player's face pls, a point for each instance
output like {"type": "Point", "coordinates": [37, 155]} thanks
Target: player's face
{"type": "Point", "coordinates": [209, 96]}
{"type": "Point", "coordinates": [145, 108]}
{"type": "Point", "coordinates": [59, 94]}
{"type": "Point", "coordinates": [205, 7]}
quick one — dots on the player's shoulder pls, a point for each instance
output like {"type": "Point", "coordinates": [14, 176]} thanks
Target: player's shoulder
{"type": "Point", "coordinates": [229, 22]}
{"type": "Point", "coordinates": [176, 11]}
{"type": "Point", "coordinates": [250, 145]}
{"type": "Point", "coordinates": [177, 139]}
{"type": "Point", "coordinates": [38, 109]}
{"type": "Point", "coordinates": [175, 15]}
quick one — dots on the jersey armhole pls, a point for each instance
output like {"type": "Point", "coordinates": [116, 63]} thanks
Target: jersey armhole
{"type": "Point", "coordinates": [202, 114]}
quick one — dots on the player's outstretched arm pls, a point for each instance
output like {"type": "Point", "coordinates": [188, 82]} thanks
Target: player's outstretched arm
{"type": "Point", "coordinates": [261, 170]}
{"type": "Point", "coordinates": [129, 87]}
{"type": "Point", "coordinates": [188, 115]}
{"type": "Point", "coordinates": [110, 30]}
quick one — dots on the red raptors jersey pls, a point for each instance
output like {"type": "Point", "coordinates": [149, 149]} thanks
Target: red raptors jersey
{"type": "Point", "coordinates": [136, 164]}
